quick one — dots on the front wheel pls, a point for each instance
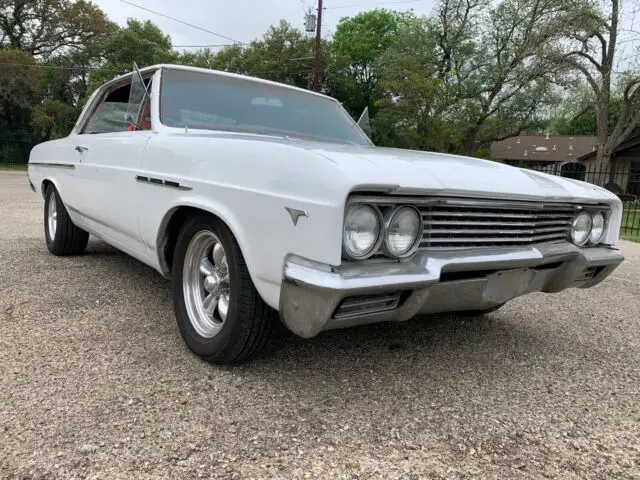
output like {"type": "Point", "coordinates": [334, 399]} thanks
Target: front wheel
{"type": "Point", "coordinates": [219, 311]}
{"type": "Point", "coordinates": [62, 236]}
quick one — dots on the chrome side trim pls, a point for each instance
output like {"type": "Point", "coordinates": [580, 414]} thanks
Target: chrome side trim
{"type": "Point", "coordinates": [162, 183]}
{"type": "Point", "coordinates": [70, 166]}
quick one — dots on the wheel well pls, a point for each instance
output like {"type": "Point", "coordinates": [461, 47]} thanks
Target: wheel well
{"type": "Point", "coordinates": [169, 236]}
{"type": "Point", "coordinates": [45, 185]}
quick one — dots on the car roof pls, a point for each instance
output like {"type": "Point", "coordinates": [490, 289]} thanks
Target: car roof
{"type": "Point", "coordinates": [188, 68]}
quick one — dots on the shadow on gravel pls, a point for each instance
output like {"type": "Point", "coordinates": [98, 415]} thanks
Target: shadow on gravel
{"type": "Point", "coordinates": [435, 346]}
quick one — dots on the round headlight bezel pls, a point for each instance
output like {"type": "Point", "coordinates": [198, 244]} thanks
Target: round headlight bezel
{"type": "Point", "coordinates": [346, 252]}
{"type": "Point", "coordinates": [388, 219]}
{"type": "Point", "coordinates": [573, 229]}
{"type": "Point", "coordinates": [596, 240]}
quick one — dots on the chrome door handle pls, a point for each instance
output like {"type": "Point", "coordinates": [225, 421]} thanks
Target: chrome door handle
{"type": "Point", "coordinates": [81, 149]}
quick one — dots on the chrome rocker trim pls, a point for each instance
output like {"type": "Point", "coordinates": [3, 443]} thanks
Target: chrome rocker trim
{"type": "Point", "coordinates": [435, 282]}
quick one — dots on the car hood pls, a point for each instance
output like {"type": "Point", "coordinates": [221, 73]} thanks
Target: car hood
{"type": "Point", "coordinates": [413, 172]}
{"type": "Point", "coordinates": [417, 172]}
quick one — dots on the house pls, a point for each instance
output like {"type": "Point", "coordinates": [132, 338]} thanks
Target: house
{"type": "Point", "coordinates": [621, 176]}
{"type": "Point", "coordinates": [542, 152]}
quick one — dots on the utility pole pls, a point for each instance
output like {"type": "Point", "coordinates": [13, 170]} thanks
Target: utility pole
{"type": "Point", "coordinates": [314, 79]}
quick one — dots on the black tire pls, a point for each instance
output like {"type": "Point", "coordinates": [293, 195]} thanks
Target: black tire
{"type": "Point", "coordinates": [67, 239]}
{"type": "Point", "coordinates": [249, 321]}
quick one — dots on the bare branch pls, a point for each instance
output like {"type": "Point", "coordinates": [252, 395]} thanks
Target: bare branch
{"type": "Point", "coordinates": [631, 126]}
{"type": "Point", "coordinates": [585, 71]}
{"type": "Point", "coordinates": [627, 91]}
{"type": "Point", "coordinates": [587, 56]}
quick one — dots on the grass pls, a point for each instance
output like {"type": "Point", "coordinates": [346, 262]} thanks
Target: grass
{"type": "Point", "coordinates": [630, 224]}
{"type": "Point", "coordinates": [13, 167]}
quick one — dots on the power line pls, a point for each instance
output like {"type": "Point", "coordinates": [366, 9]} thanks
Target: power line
{"type": "Point", "coordinates": [284, 71]}
{"type": "Point", "coordinates": [180, 21]}
{"type": "Point", "coordinates": [372, 4]}
{"type": "Point", "coordinates": [58, 67]}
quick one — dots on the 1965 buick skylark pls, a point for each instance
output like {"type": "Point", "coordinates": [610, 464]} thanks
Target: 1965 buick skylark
{"type": "Point", "coordinates": [258, 198]}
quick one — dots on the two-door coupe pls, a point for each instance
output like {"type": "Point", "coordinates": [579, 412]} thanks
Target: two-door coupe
{"type": "Point", "coordinates": [258, 198]}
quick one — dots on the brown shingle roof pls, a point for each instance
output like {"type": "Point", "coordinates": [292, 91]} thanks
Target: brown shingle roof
{"type": "Point", "coordinates": [542, 148]}
{"type": "Point", "coordinates": [628, 144]}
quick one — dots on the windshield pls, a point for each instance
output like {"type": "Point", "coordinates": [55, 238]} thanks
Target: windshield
{"type": "Point", "coordinates": [215, 102]}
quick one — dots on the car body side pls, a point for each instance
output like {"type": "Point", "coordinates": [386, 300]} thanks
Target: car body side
{"type": "Point", "coordinates": [249, 182]}
{"type": "Point", "coordinates": [245, 180]}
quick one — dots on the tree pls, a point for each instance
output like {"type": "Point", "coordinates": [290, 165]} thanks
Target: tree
{"type": "Point", "coordinates": [357, 45]}
{"type": "Point", "coordinates": [482, 69]}
{"type": "Point", "coordinates": [592, 52]}
{"type": "Point", "coordinates": [577, 114]}
{"type": "Point", "coordinates": [140, 42]}
{"type": "Point", "coordinates": [45, 28]}
{"type": "Point", "coordinates": [283, 55]}
{"type": "Point", "coordinates": [19, 77]}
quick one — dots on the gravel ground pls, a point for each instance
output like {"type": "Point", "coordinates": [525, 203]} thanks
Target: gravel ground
{"type": "Point", "coordinates": [95, 382]}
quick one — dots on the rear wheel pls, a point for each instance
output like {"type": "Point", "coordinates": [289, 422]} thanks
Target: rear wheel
{"type": "Point", "coordinates": [219, 312]}
{"type": "Point", "coordinates": [62, 236]}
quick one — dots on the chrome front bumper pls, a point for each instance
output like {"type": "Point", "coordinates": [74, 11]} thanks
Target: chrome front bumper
{"type": "Point", "coordinates": [433, 282]}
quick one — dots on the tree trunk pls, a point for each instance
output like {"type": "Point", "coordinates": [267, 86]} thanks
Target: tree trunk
{"type": "Point", "coordinates": [469, 145]}
{"type": "Point", "coordinates": [604, 147]}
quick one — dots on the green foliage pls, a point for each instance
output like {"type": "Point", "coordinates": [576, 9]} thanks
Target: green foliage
{"type": "Point", "coordinates": [472, 72]}
{"type": "Point", "coordinates": [18, 94]}
{"type": "Point", "coordinates": [47, 28]}
{"type": "Point", "coordinates": [357, 45]}
{"type": "Point", "coordinates": [139, 42]}
{"type": "Point", "coordinates": [283, 55]}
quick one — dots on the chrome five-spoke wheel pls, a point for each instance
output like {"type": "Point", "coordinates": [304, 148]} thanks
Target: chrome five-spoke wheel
{"type": "Point", "coordinates": [206, 285]}
{"type": "Point", "coordinates": [60, 233]}
{"type": "Point", "coordinates": [218, 309]}
{"type": "Point", "coordinates": [52, 215]}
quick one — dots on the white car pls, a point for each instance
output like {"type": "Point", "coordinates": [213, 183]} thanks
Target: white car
{"type": "Point", "coordinates": [258, 198]}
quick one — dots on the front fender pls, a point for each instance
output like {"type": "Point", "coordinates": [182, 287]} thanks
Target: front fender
{"type": "Point", "coordinates": [204, 204]}
{"type": "Point", "coordinates": [264, 230]}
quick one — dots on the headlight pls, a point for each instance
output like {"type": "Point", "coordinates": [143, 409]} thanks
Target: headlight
{"type": "Point", "coordinates": [361, 233]}
{"type": "Point", "coordinates": [597, 228]}
{"type": "Point", "coordinates": [581, 229]}
{"type": "Point", "coordinates": [403, 231]}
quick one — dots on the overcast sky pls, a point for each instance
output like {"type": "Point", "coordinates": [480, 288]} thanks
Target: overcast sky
{"type": "Point", "coordinates": [246, 20]}
{"type": "Point", "coordinates": [242, 20]}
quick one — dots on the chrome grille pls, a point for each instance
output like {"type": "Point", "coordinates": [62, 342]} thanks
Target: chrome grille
{"type": "Point", "coordinates": [463, 224]}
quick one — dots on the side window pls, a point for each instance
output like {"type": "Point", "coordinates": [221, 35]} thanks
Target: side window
{"type": "Point", "coordinates": [112, 114]}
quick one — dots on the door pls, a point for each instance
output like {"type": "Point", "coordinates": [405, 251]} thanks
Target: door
{"type": "Point", "coordinates": [109, 147]}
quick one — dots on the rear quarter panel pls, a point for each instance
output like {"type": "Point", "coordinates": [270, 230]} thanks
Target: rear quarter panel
{"type": "Point", "coordinates": [51, 152]}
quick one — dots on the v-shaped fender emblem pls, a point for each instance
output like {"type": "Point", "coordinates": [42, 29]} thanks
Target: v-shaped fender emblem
{"type": "Point", "coordinates": [296, 214]}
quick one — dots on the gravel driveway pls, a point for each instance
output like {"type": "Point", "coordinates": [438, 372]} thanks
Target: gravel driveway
{"type": "Point", "coordinates": [95, 382]}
